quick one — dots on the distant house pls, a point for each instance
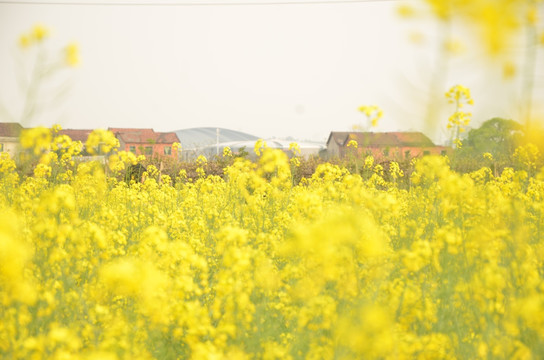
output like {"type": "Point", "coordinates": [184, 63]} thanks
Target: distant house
{"type": "Point", "coordinates": [146, 141]}
{"type": "Point", "coordinates": [394, 145]}
{"type": "Point", "coordinates": [9, 137]}
{"type": "Point", "coordinates": [77, 135]}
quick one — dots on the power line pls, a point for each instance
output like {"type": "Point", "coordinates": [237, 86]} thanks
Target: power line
{"type": "Point", "coordinates": [297, 2]}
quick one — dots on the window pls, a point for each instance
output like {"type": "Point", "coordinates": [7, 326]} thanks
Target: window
{"type": "Point", "coordinates": [149, 150]}
{"type": "Point", "coordinates": [426, 152]}
{"type": "Point", "coordinates": [133, 149]}
{"type": "Point", "coordinates": [443, 153]}
{"type": "Point", "coordinates": [386, 151]}
{"type": "Point", "coordinates": [1, 147]}
{"type": "Point", "coordinates": [167, 150]}
{"type": "Point", "coordinates": [407, 154]}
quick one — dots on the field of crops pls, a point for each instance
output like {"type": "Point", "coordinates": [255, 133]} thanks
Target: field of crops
{"type": "Point", "coordinates": [252, 266]}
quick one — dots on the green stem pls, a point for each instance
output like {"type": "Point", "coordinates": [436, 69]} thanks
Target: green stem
{"type": "Point", "coordinates": [29, 106]}
{"type": "Point", "coordinates": [528, 78]}
{"type": "Point", "coordinates": [439, 75]}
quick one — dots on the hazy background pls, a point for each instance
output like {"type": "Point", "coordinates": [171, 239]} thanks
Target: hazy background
{"type": "Point", "coordinates": [270, 70]}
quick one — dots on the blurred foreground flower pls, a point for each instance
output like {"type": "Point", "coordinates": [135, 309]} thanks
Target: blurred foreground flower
{"type": "Point", "coordinates": [72, 54]}
{"type": "Point", "coordinates": [373, 113]}
{"type": "Point", "coordinates": [101, 142]}
{"type": "Point", "coordinates": [44, 72]}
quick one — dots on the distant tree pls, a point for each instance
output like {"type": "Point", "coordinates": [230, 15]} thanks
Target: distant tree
{"type": "Point", "coordinates": [497, 136]}
{"type": "Point", "coordinates": [242, 153]}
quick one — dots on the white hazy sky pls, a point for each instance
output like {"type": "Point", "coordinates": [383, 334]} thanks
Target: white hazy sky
{"type": "Point", "coordinates": [269, 70]}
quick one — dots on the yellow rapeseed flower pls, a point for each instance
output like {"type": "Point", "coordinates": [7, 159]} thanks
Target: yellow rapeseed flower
{"type": "Point", "coordinates": [100, 142]}
{"type": "Point", "coordinates": [39, 32]}
{"type": "Point", "coordinates": [72, 54]}
{"type": "Point", "coordinates": [405, 11]}
{"type": "Point", "coordinates": [25, 40]}
{"type": "Point", "coordinates": [373, 113]}
{"type": "Point", "coordinates": [227, 152]}
{"type": "Point", "coordinates": [488, 156]}
{"type": "Point", "coordinates": [294, 148]}
{"type": "Point", "coordinates": [353, 144]}
{"type": "Point", "coordinates": [260, 145]}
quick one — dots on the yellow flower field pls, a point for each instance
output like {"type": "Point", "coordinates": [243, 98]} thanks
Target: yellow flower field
{"type": "Point", "coordinates": [251, 266]}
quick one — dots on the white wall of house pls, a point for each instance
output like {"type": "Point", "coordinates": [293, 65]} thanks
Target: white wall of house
{"type": "Point", "coordinates": [9, 145]}
{"type": "Point", "coordinates": [333, 149]}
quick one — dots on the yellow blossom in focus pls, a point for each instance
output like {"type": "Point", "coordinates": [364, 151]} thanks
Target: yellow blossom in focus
{"type": "Point", "coordinates": [294, 148]}
{"type": "Point", "coordinates": [227, 152]}
{"type": "Point", "coordinates": [395, 171]}
{"type": "Point", "coordinates": [260, 145]}
{"type": "Point", "coordinates": [176, 147]}
{"type": "Point", "coordinates": [369, 162]}
{"type": "Point", "coordinates": [353, 144]}
{"type": "Point", "coordinates": [7, 164]}
{"type": "Point", "coordinates": [295, 161]}
{"type": "Point", "coordinates": [528, 155]}
{"type": "Point", "coordinates": [201, 160]}
{"type": "Point", "coordinates": [459, 96]}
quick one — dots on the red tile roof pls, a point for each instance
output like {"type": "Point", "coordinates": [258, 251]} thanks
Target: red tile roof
{"type": "Point", "coordinates": [167, 138]}
{"type": "Point", "coordinates": [144, 136]}
{"type": "Point", "coordinates": [381, 139]}
{"type": "Point", "coordinates": [76, 134]}
{"type": "Point", "coordinates": [128, 135]}
{"type": "Point", "coordinates": [10, 129]}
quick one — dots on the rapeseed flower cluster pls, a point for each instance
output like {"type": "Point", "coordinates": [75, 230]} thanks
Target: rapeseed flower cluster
{"type": "Point", "coordinates": [39, 33]}
{"type": "Point", "coordinates": [459, 95]}
{"type": "Point", "coordinates": [250, 265]}
{"type": "Point", "coordinates": [373, 113]}
{"type": "Point", "coordinates": [36, 35]}
{"type": "Point", "coordinates": [494, 22]}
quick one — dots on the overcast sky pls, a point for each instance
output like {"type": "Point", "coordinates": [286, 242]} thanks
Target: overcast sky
{"type": "Point", "coordinates": [270, 70]}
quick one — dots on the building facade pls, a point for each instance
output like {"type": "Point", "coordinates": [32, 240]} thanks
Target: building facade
{"type": "Point", "coordinates": [9, 137]}
{"type": "Point", "coordinates": [146, 141]}
{"type": "Point", "coordinates": [391, 145]}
